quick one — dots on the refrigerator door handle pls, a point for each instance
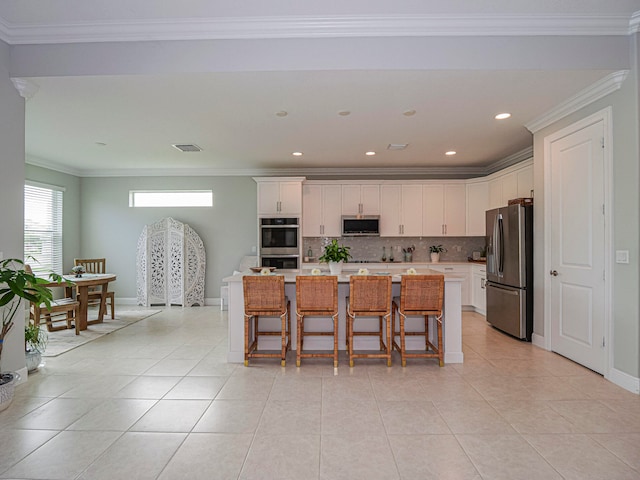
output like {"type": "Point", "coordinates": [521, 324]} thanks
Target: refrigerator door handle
{"type": "Point", "coordinates": [501, 245]}
{"type": "Point", "coordinates": [506, 291]}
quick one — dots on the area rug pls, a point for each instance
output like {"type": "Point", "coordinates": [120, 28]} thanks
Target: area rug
{"type": "Point", "coordinates": [64, 340]}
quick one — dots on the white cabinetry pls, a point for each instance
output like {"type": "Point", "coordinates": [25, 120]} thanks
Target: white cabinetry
{"type": "Point", "coordinates": [361, 199]}
{"type": "Point", "coordinates": [478, 290]}
{"type": "Point", "coordinates": [279, 196]}
{"type": "Point", "coordinates": [321, 206]}
{"type": "Point", "coordinates": [462, 271]}
{"type": "Point", "coordinates": [444, 210]}
{"type": "Point", "coordinates": [477, 205]}
{"type": "Point", "coordinates": [507, 186]}
{"type": "Point", "coordinates": [525, 182]}
{"type": "Point", "coordinates": [401, 210]}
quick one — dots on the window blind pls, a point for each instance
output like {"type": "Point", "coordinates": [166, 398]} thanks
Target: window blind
{"type": "Point", "coordinates": [43, 227]}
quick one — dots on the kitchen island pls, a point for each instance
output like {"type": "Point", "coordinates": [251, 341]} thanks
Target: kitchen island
{"type": "Point", "coordinates": [452, 325]}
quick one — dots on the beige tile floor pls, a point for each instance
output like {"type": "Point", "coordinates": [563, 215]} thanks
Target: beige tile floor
{"type": "Point", "coordinates": [158, 400]}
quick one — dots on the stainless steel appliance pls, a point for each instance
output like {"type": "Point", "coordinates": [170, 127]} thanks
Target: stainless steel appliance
{"type": "Point", "coordinates": [361, 225]}
{"type": "Point", "coordinates": [510, 270]}
{"type": "Point", "coordinates": [280, 242]}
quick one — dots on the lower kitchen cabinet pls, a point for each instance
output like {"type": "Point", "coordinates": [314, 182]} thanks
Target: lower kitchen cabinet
{"type": "Point", "coordinates": [478, 290]}
{"type": "Point", "coordinates": [459, 271]}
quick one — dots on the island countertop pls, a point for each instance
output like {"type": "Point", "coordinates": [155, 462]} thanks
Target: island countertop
{"type": "Point", "coordinates": [452, 311]}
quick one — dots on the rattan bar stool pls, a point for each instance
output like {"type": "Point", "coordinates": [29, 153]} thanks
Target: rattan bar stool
{"type": "Point", "coordinates": [370, 296]}
{"type": "Point", "coordinates": [420, 295]}
{"type": "Point", "coordinates": [316, 297]}
{"type": "Point", "coordinates": [264, 297]}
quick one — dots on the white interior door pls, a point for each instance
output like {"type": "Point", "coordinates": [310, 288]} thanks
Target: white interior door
{"type": "Point", "coordinates": [578, 247]}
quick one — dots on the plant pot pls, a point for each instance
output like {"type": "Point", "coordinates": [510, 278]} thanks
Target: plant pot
{"type": "Point", "coordinates": [33, 360]}
{"type": "Point", "coordinates": [408, 257]}
{"type": "Point", "coordinates": [8, 382]}
{"type": "Point", "coordinates": [335, 268]}
{"type": "Point", "coordinates": [435, 257]}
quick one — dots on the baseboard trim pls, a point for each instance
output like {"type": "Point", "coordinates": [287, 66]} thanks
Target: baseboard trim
{"type": "Point", "coordinates": [624, 380]}
{"type": "Point", "coordinates": [538, 341]}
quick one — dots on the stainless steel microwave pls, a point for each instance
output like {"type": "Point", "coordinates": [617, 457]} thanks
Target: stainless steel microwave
{"type": "Point", "coordinates": [360, 225]}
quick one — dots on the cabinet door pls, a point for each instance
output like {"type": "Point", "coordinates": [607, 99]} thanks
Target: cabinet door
{"type": "Point", "coordinates": [291, 198]}
{"type": "Point", "coordinates": [391, 201]}
{"type": "Point", "coordinates": [268, 198]}
{"type": "Point", "coordinates": [525, 182]}
{"type": "Point", "coordinates": [331, 210]}
{"type": "Point", "coordinates": [477, 205]}
{"type": "Point", "coordinates": [350, 199]}
{"type": "Point", "coordinates": [495, 193]}
{"type": "Point", "coordinates": [455, 210]}
{"type": "Point", "coordinates": [433, 210]}
{"type": "Point", "coordinates": [509, 187]}
{"type": "Point", "coordinates": [370, 199]}
{"type": "Point", "coordinates": [411, 213]}
{"type": "Point", "coordinates": [312, 210]}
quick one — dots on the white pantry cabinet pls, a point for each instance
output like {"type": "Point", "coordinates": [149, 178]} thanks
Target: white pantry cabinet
{"type": "Point", "coordinates": [361, 199]}
{"type": "Point", "coordinates": [444, 210]}
{"type": "Point", "coordinates": [401, 210]}
{"type": "Point", "coordinates": [321, 210]}
{"type": "Point", "coordinates": [279, 197]}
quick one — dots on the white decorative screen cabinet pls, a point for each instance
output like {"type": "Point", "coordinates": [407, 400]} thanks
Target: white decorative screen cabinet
{"type": "Point", "coordinates": [401, 210]}
{"type": "Point", "coordinates": [361, 199]}
{"type": "Point", "coordinates": [171, 265]}
{"type": "Point", "coordinates": [321, 205]}
{"type": "Point", "coordinates": [444, 210]}
{"type": "Point", "coordinates": [279, 196]}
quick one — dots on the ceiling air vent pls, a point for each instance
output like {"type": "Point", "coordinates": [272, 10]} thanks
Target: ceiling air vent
{"type": "Point", "coordinates": [187, 147]}
{"type": "Point", "coordinates": [397, 146]}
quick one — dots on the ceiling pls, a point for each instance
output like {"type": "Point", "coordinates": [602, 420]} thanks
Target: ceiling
{"type": "Point", "coordinates": [126, 124]}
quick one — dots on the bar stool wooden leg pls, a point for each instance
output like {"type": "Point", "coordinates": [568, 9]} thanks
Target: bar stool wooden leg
{"type": "Point", "coordinates": [389, 346]}
{"type": "Point", "coordinates": [246, 340]}
{"type": "Point", "coordinates": [283, 336]}
{"type": "Point", "coordinates": [440, 344]}
{"type": "Point", "coordinates": [403, 345]}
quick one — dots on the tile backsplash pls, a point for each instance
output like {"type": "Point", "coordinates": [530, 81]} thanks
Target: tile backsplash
{"type": "Point", "coordinates": [370, 248]}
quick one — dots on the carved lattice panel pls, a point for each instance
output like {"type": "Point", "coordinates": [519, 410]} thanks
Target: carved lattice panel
{"type": "Point", "coordinates": [171, 265]}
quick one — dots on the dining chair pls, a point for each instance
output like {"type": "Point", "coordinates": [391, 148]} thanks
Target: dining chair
{"type": "Point", "coordinates": [422, 296]}
{"type": "Point", "coordinates": [316, 296]}
{"type": "Point", "coordinates": [59, 310]}
{"type": "Point", "coordinates": [97, 265]}
{"type": "Point", "coordinates": [264, 297]}
{"type": "Point", "coordinates": [369, 296]}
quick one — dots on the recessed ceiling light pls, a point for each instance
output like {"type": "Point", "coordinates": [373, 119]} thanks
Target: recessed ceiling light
{"type": "Point", "coordinates": [297, 154]}
{"type": "Point", "coordinates": [282, 113]}
{"type": "Point", "coordinates": [187, 147]}
{"type": "Point", "coordinates": [502, 116]}
{"type": "Point", "coordinates": [344, 113]}
{"type": "Point", "coordinates": [397, 146]}
{"type": "Point", "coordinates": [409, 113]}
{"type": "Point", "coordinates": [370, 153]}
{"type": "Point", "coordinates": [101, 144]}
{"type": "Point", "coordinates": [450, 152]}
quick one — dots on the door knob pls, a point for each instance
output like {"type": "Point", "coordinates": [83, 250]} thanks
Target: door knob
{"type": "Point", "coordinates": [554, 273]}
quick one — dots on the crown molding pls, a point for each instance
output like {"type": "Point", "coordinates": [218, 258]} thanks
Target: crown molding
{"type": "Point", "coordinates": [598, 90]}
{"type": "Point", "coordinates": [315, 173]}
{"type": "Point", "coordinates": [318, 27]}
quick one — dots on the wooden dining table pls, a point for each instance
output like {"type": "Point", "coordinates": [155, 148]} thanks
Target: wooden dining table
{"type": "Point", "coordinates": [82, 284]}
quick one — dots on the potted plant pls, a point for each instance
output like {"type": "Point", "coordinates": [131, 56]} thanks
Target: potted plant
{"type": "Point", "coordinates": [35, 342]}
{"type": "Point", "coordinates": [17, 283]}
{"type": "Point", "coordinates": [435, 251]}
{"type": "Point", "coordinates": [335, 255]}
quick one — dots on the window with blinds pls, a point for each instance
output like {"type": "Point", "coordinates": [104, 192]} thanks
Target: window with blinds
{"type": "Point", "coordinates": [43, 227]}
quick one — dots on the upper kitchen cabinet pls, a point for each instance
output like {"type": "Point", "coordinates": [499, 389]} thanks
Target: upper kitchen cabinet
{"type": "Point", "coordinates": [321, 207]}
{"type": "Point", "coordinates": [444, 210]}
{"type": "Point", "coordinates": [361, 199]}
{"type": "Point", "coordinates": [279, 196]}
{"type": "Point", "coordinates": [401, 210]}
{"type": "Point", "coordinates": [477, 205]}
{"type": "Point", "coordinates": [513, 184]}
{"type": "Point", "coordinates": [525, 182]}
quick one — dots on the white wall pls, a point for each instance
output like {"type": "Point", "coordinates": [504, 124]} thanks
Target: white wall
{"type": "Point", "coordinates": [110, 228]}
{"type": "Point", "coordinates": [626, 220]}
{"type": "Point", "coordinates": [11, 194]}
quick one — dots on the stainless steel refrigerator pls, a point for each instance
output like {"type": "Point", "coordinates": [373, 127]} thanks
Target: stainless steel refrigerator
{"type": "Point", "coordinates": [510, 270]}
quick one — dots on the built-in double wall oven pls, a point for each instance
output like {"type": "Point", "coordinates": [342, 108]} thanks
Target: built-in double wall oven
{"type": "Point", "coordinates": [280, 242]}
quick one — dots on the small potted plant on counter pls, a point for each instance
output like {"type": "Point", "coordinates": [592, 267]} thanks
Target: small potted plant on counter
{"type": "Point", "coordinates": [435, 251]}
{"type": "Point", "coordinates": [335, 255]}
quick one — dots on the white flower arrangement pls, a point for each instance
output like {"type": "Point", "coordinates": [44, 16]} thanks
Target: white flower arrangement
{"type": "Point", "coordinates": [411, 271]}
{"type": "Point", "coordinates": [78, 269]}
{"type": "Point", "coordinates": [265, 271]}
{"type": "Point", "coordinates": [316, 271]}
{"type": "Point", "coordinates": [363, 271]}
